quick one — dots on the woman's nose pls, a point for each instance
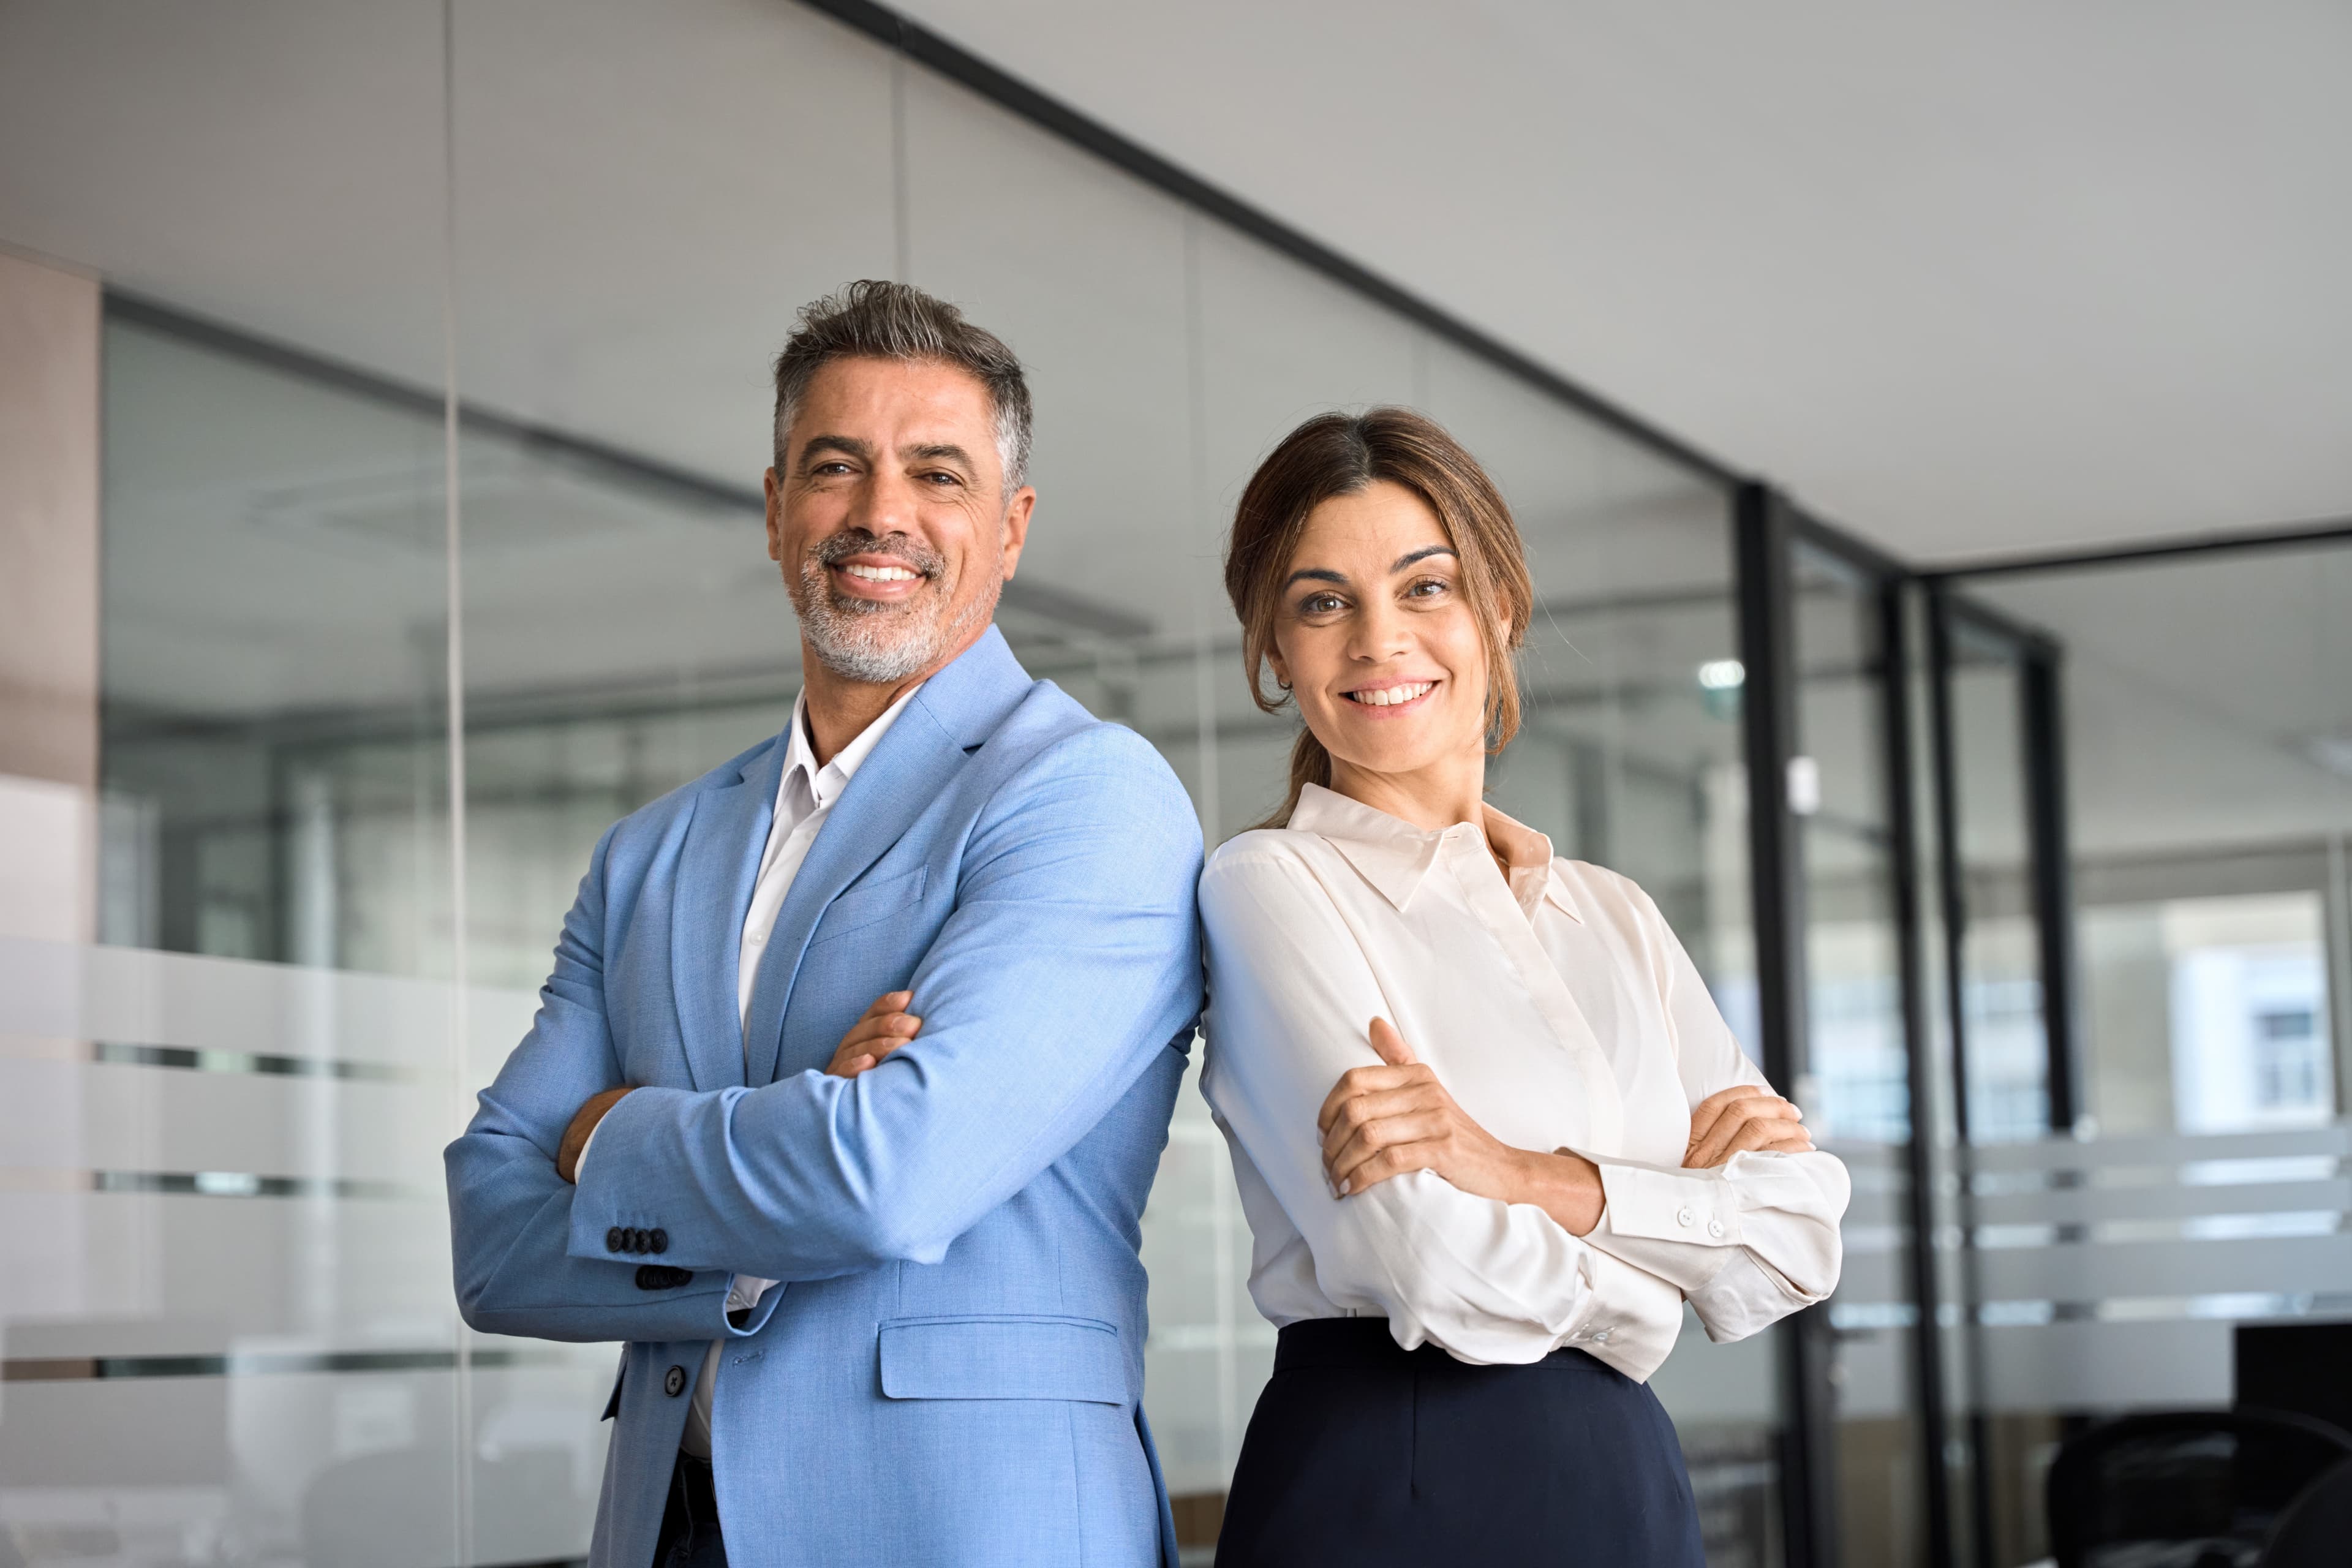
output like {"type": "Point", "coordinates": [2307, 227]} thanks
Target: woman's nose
{"type": "Point", "coordinates": [1378, 634]}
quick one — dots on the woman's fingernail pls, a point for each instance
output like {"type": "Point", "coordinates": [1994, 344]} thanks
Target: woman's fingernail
{"type": "Point", "coordinates": [1343, 1189]}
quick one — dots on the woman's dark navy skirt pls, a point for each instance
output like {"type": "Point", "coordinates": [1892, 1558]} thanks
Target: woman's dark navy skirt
{"type": "Point", "coordinates": [1362, 1454]}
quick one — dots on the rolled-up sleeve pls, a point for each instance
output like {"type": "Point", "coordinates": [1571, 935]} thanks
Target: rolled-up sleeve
{"type": "Point", "coordinates": [1748, 1241]}
{"type": "Point", "coordinates": [1490, 1282]}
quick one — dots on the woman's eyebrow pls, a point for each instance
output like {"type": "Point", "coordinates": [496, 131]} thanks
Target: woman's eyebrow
{"type": "Point", "coordinates": [1423, 553]}
{"type": "Point", "coordinates": [1319, 574]}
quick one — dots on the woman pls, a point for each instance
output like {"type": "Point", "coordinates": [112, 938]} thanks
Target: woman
{"type": "Point", "coordinates": [1489, 1129]}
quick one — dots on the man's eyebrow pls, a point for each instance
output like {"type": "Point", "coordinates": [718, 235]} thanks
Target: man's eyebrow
{"type": "Point", "coordinates": [1423, 553]}
{"type": "Point", "coordinates": [937, 451]}
{"type": "Point", "coordinates": [847, 445]}
{"type": "Point", "coordinates": [1317, 573]}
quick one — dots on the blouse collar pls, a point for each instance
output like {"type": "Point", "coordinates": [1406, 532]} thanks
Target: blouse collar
{"type": "Point", "coordinates": [1393, 855]}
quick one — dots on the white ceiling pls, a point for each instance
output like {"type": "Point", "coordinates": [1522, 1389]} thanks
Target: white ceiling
{"type": "Point", "coordinates": [1967, 278]}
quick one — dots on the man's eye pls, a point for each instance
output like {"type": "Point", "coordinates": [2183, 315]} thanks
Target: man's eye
{"type": "Point", "coordinates": [835, 466]}
{"type": "Point", "coordinates": [941, 479]}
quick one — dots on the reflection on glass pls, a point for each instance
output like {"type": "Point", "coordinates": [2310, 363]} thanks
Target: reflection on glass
{"type": "Point", "coordinates": [2209, 814]}
{"type": "Point", "coordinates": [273, 583]}
{"type": "Point", "coordinates": [2007, 1048]}
{"type": "Point", "coordinates": [1856, 1089]}
{"type": "Point", "coordinates": [2231, 997]}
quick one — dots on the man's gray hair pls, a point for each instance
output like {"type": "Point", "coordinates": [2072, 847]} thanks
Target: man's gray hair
{"type": "Point", "coordinates": [876, 318]}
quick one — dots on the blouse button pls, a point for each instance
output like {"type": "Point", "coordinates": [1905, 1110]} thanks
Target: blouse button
{"type": "Point", "coordinates": [1715, 1227]}
{"type": "Point", "coordinates": [1684, 1217]}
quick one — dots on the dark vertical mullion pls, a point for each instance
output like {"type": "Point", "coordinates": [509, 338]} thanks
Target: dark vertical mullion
{"type": "Point", "coordinates": [1927, 1340]}
{"type": "Point", "coordinates": [1768, 705]}
{"type": "Point", "coordinates": [1948, 842]}
{"type": "Point", "coordinates": [1955, 912]}
{"type": "Point", "coordinates": [1762, 540]}
{"type": "Point", "coordinates": [2052, 877]}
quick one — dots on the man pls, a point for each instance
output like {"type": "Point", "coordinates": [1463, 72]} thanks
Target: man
{"type": "Point", "coordinates": [876, 1260]}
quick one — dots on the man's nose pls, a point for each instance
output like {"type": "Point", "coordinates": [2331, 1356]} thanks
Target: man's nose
{"type": "Point", "coordinates": [884, 504]}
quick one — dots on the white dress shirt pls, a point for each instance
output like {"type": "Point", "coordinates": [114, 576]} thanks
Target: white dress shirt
{"type": "Point", "coordinates": [804, 798]}
{"type": "Point", "coordinates": [1560, 1013]}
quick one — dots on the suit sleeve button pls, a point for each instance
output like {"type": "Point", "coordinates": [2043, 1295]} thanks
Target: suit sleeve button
{"type": "Point", "coordinates": [674, 1381]}
{"type": "Point", "coordinates": [614, 1239]}
{"type": "Point", "coordinates": [660, 1240]}
{"type": "Point", "coordinates": [636, 1241]}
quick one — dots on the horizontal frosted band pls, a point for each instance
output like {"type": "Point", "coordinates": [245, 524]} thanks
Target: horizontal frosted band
{"type": "Point", "coordinates": [184, 1058]}
{"type": "Point", "coordinates": [214, 1185]}
{"type": "Point", "coordinates": [80, 1369]}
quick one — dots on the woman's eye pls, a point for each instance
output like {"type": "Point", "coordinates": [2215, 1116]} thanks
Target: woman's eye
{"type": "Point", "coordinates": [1428, 588]}
{"type": "Point", "coordinates": [1321, 604]}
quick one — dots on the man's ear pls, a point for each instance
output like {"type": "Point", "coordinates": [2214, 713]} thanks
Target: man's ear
{"type": "Point", "coordinates": [1016, 526]}
{"type": "Point", "coordinates": [775, 493]}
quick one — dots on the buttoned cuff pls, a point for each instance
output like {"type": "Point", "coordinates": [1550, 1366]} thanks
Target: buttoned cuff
{"type": "Point", "coordinates": [1647, 1204]}
{"type": "Point", "coordinates": [1631, 1317]}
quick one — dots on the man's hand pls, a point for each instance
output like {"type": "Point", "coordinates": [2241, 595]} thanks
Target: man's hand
{"type": "Point", "coordinates": [879, 1030]}
{"type": "Point", "coordinates": [1381, 1121]}
{"type": "Point", "coordinates": [584, 1122]}
{"type": "Point", "coordinates": [1743, 1118]}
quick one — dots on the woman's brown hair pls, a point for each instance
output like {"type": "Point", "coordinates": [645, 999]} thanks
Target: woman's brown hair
{"type": "Point", "coordinates": [1339, 454]}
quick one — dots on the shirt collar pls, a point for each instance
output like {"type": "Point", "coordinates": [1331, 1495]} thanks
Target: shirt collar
{"type": "Point", "coordinates": [825, 783]}
{"type": "Point", "coordinates": [1393, 855]}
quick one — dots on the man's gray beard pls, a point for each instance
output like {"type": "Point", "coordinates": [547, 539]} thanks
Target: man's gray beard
{"type": "Point", "coordinates": [880, 645]}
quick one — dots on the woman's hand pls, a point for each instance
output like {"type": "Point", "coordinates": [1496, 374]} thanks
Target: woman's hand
{"type": "Point", "coordinates": [879, 1030]}
{"type": "Point", "coordinates": [1740, 1119]}
{"type": "Point", "coordinates": [1381, 1121]}
{"type": "Point", "coordinates": [583, 1126]}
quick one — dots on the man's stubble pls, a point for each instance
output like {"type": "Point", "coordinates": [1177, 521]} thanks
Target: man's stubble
{"type": "Point", "coordinates": [878, 643]}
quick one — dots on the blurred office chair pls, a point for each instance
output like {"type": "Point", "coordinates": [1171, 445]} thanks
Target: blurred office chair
{"type": "Point", "coordinates": [2315, 1532]}
{"type": "Point", "coordinates": [2195, 1488]}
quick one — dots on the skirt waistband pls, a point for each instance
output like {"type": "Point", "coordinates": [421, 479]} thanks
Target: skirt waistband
{"type": "Point", "coordinates": [1366, 1342]}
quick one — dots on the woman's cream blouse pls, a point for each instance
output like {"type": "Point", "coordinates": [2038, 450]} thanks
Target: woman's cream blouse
{"type": "Point", "coordinates": [1560, 1012]}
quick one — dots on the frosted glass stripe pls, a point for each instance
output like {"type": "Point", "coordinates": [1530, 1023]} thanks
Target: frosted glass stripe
{"type": "Point", "coordinates": [63, 990]}
{"type": "Point", "coordinates": [83, 1369]}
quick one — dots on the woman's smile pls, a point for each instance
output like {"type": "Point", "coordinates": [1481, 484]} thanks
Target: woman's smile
{"type": "Point", "coordinates": [1391, 699]}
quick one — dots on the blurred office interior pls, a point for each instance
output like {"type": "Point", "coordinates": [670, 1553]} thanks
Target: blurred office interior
{"type": "Point", "coordinates": [382, 404]}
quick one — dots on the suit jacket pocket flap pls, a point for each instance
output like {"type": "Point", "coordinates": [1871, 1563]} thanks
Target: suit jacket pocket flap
{"type": "Point", "coordinates": [1003, 1357]}
{"type": "Point", "coordinates": [868, 903]}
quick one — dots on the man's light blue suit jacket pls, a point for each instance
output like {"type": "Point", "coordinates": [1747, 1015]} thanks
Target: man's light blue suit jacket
{"type": "Point", "coordinates": [951, 1371]}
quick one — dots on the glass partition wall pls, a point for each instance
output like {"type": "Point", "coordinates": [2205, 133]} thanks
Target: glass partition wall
{"type": "Point", "coordinates": [2149, 794]}
{"type": "Point", "coordinates": [2031, 885]}
{"type": "Point", "coordinates": [1855, 1082]}
{"type": "Point", "coordinates": [228, 1111]}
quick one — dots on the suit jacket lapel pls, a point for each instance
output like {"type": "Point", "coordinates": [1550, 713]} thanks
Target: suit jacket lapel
{"type": "Point", "coordinates": [948, 718]}
{"type": "Point", "coordinates": [717, 869]}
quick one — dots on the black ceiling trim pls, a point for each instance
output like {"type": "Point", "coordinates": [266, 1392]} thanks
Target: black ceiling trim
{"type": "Point", "coordinates": [2278, 538]}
